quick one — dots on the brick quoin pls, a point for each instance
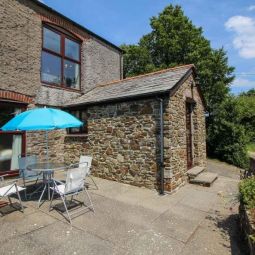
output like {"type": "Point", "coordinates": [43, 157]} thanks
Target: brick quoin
{"type": "Point", "coordinates": [16, 97]}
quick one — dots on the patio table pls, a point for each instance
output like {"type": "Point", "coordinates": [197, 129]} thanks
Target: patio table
{"type": "Point", "coordinates": [48, 169]}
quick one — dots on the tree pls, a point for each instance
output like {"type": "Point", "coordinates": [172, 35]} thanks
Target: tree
{"type": "Point", "coordinates": [174, 40]}
{"type": "Point", "coordinates": [137, 60]}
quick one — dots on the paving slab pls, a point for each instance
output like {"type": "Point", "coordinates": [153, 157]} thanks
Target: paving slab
{"type": "Point", "coordinates": [118, 231]}
{"type": "Point", "coordinates": [179, 223]}
{"type": "Point", "coordinates": [199, 199]}
{"type": "Point", "coordinates": [216, 235]}
{"type": "Point", "coordinates": [59, 238]}
{"type": "Point", "coordinates": [134, 214]}
{"type": "Point", "coordinates": [153, 242]}
{"type": "Point", "coordinates": [17, 224]}
{"type": "Point", "coordinates": [223, 169]}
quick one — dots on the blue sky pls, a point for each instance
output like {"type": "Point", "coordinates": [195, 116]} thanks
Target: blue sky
{"type": "Point", "coordinates": [227, 23]}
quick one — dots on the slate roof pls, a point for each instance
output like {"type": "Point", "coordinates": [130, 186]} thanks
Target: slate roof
{"type": "Point", "coordinates": [142, 85]}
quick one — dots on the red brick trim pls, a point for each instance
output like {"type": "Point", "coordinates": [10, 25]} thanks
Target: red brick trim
{"type": "Point", "coordinates": [16, 97]}
{"type": "Point", "coordinates": [51, 19]}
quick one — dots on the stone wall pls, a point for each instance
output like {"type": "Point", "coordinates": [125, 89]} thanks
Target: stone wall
{"type": "Point", "coordinates": [36, 144]}
{"type": "Point", "coordinates": [122, 140]}
{"type": "Point", "coordinates": [20, 53]}
{"type": "Point", "coordinates": [20, 48]}
{"type": "Point", "coordinates": [51, 96]}
{"type": "Point", "coordinates": [247, 225]}
{"type": "Point", "coordinates": [101, 64]}
{"type": "Point", "coordinates": [175, 134]}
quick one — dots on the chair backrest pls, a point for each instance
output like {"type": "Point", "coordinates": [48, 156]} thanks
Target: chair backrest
{"type": "Point", "coordinates": [75, 179]}
{"type": "Point", "coordinates": [23, 163]}
{"type": "Point", "coordinates": [88, 161]}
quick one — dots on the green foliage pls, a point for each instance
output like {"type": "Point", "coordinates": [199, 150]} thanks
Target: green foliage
{"type": "Point", "coordinates": [251, 147]}
{"type": "Point", "coordinates": [174, 40]}
{"type": "Point", "coordinates": [247, 192]}
{"type": "Point", "coordinates": [246, 113]}
{"type": "Point", "coordinates": [226, 137]}
{"type": "Point", "coordinates": [137, 60]}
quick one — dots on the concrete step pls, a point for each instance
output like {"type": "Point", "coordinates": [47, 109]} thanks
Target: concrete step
{"type": "Point", "coordinates": [195, 171]}
{"type": "Point", "coordinates": [204, 179]}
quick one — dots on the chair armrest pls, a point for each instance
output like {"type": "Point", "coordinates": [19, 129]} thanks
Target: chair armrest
{"type": "Point", "coordinates": [58, 181]}
{"type": "Point", "coordinates": [7, 182]}
{"type": "Point", "coordinates": [2, 177]}
{"type": "Point", "coordinates": [12, 180]}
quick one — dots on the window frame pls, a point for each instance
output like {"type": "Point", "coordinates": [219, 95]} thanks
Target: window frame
{"type": "Point", "coordinates": [62, 57]}
{"type": "Point", "coordinates": [23, 107]}
{"type": "Point", "coordinates": [83, 130]}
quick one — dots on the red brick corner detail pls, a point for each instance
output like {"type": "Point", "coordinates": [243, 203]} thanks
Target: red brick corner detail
{"type": "Point", "coordinates": [16, 97]}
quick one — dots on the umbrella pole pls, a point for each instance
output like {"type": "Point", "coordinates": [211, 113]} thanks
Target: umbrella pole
{"type": "Point", "coordinates": [47, 147]}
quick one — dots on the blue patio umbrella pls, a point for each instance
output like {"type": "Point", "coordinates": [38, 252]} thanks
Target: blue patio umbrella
{"type": "Point", "coordinates": [42, 119]}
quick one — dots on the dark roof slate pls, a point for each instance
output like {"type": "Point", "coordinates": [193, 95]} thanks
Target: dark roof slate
{"type": "Point", "coordinates": [142, 85]}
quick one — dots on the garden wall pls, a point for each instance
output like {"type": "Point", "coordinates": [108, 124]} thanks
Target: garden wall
{"type": "Point", "coordinates": [247, 227]}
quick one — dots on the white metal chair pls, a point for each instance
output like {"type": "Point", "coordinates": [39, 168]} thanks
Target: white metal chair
{"type": "Point", "coordinates": [11, 189]}
{"type": "Point", "coordinates": [88, 160]}
{"type": "Point", "coordinates": [74, 185]}
{"type": "Point", "coordinates": [28, 176]}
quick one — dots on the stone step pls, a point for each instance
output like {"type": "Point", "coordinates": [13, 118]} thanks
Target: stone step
{"type": "Point", "coordinates": [195, 171]}
{"type": "Point", "coordinates": [205, 179]}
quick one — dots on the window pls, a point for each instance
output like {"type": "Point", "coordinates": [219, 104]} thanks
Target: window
{"type": "Point", "coordinates": [12, 144]}
{"type": "Point", "coordinates": [60, 59]}
{"type": "Point", "coordinates": [82, 116]}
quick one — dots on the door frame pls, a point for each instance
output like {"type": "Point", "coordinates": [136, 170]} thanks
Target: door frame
{"type": "Point", "coordinates": [189, 103]}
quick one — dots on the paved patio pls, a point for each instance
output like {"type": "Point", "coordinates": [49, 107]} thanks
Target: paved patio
{"type": "Point", "coordinates": [131, 220]}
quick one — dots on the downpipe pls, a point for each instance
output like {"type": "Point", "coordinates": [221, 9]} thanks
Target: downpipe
{"type": "Point", "coordinates": [161, 164]}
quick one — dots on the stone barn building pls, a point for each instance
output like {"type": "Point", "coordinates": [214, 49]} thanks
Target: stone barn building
{"type": "Point", "coordinates": [146, 130]}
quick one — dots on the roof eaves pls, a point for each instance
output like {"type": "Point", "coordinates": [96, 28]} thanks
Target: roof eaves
{"type": "Point", "coordinates": [118, 99]}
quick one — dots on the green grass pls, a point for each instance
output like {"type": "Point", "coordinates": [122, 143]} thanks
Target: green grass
{"type": "Point", "coordinates": [251, 147]}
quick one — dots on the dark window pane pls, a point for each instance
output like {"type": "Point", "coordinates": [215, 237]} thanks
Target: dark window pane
{"type": "Point", "coordinates": [71, 74]}
{"type": "Point", "coordinates": [72, 49]}
{"type": "Point", "coordinates": [51, 40]}
{"type": "Point", "coordinates": [82, 116]}
{"type": "Point", "coordinates": [10, 149]}
{"type": "Point", "coordinates": [77, 115]}
{"type": "Point", "coordinates": [51, 68]}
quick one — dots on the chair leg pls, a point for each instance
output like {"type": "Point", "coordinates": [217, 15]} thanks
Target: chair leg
{"type": "Point", "coordinates": [22, 209]}
{"type": "Point", "coordinates": [64, 202]}
{"type": "Point", "coordinates": [42, 195]}
{"type": "Point", "coordinates": [10, 201]}
{"type": "Point", "coordinates": [91, 204]}
{"type": "Point", "coordinates": [25, 191]}
{"type": "Point", "coordinates": [53, 192]}
{"type": "Point", "coordinates": [93, 181]}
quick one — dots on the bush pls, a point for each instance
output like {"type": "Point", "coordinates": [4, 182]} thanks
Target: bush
{"type": "Point", "coordinates": [247, 192]}
{"type": "Point", "coordinates": [226, 137]}
{"type": "Point", "coordinates": [227, 141]}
